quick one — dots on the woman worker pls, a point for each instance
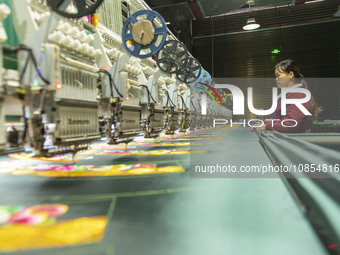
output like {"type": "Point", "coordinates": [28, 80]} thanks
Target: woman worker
{"type": "Point", "coordinates": [288, 75]}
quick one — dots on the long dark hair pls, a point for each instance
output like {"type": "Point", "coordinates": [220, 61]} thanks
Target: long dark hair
{"type": "Point", "coordinates": [288, 66]}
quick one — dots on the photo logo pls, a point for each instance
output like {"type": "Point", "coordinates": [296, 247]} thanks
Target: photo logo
{"type": "Point", "coordinates": [238, 100]}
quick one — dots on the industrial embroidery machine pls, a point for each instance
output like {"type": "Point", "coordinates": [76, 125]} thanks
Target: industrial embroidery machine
{"type": "Point", "coordinates": [80, 77]}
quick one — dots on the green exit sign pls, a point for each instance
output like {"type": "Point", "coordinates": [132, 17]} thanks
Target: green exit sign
{"type": "Point", "coordinates": [276, 51]}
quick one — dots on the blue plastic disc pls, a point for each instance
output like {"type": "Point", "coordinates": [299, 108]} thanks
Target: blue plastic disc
{"type": "Point", "coordinates": [205, 78]}
{"type": "Point", "coordinates": [160, 32]}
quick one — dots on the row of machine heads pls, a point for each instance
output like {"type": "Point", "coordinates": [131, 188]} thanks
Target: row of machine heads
{"type": "Point", "coordinates": [71, 73]}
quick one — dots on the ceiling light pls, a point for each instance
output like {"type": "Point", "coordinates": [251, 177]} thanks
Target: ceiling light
{"type": "Point", "coordinates": [251, 24]}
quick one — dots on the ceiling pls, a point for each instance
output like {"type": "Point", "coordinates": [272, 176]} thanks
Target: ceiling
{"type": "Point", "coordinates": [179, 11]}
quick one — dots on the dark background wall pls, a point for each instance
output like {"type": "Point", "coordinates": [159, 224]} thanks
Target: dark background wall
{"type": "Point", "coordinates": [307, 33]}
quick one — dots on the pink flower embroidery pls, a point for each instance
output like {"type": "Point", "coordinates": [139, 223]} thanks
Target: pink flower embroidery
{"type": "Point", "coordinates": [37, 214]}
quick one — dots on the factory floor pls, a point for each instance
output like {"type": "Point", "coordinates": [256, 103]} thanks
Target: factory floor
{"type": "Point", "coordinates": [146, 200]}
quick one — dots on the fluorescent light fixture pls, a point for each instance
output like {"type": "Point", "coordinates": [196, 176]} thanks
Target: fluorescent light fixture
{"type": "Point", "coordinates": [251, 24]}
